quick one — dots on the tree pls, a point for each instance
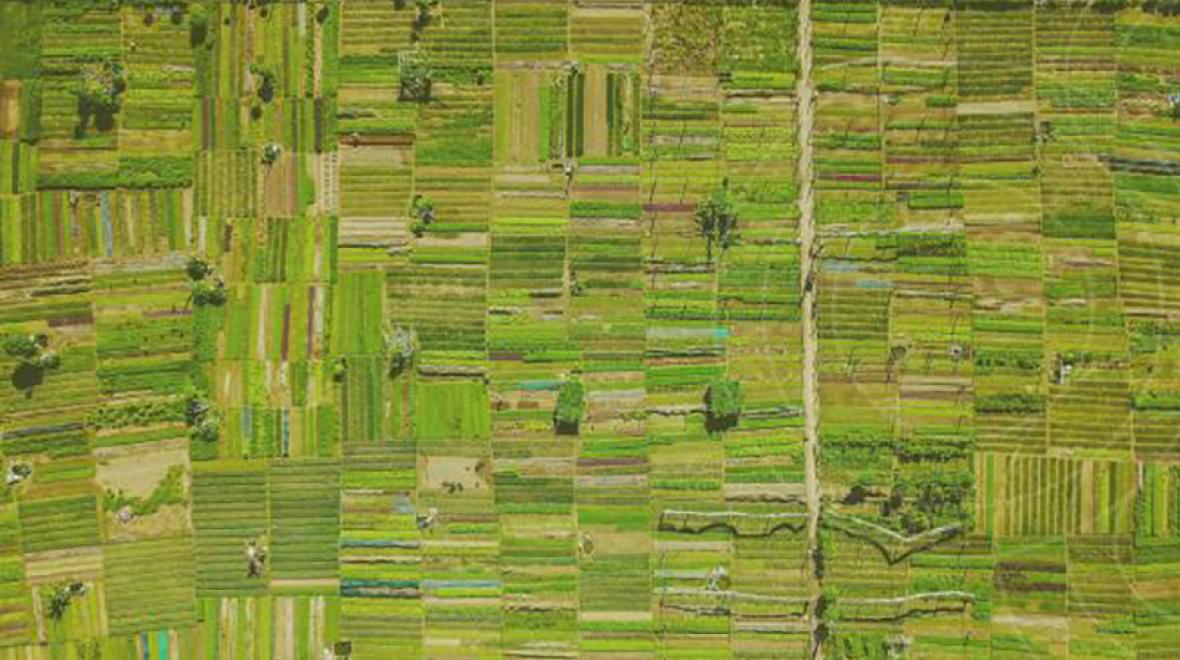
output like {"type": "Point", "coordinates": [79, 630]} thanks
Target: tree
{"type": "Point", "coordinates": [270, 153]}
{"type": "Point", "coordinates": [34, 359]}
{"type": "Point", "coordinates": [422, 19]}
{"type": "Point", "coordinates": [62, 596]}
{"type": "Point", "coordinates": [422, 209]}
{"type": "Point", "coordinates": [1163, 7]}
{"type": "Point", "coordinates": [204, 423]}
{"type": "Point", "coordinates": [99, 92]}
{"type": "Point", "coordinates": [827, 611]}
{"type": "Point", "coordinates": [266, 82]}
{"type": "Point", "coordinates": [198, 25]}
{"type": "Point", "coordinates": [207, 430]}
{"type": "Point", "coordinates": [255, 558]}
{"type": "Point", "coordinates": [209, 293]}
{"type": "Point", "coordinates": [571, 404]}
{"type": "Point", "coordinates": [197, 268]}
{"type": "Point", "coordinates": [723, 403]}
{"type": "Point", "coordinates": [716, 220]}
{"type": "Point", "coordinates": [400, 345]}
{"type": "Point", "coordinates": [415, 77]}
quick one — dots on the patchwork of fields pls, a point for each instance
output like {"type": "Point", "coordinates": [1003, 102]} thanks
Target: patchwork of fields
{"type": "Point", "coordinates": [589, 328]}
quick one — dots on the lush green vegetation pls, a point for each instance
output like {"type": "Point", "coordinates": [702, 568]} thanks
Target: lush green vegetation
{"type": "Point", "coordinates": [571, 405]}
{"type": "Point", "coordinates": [506, 328]}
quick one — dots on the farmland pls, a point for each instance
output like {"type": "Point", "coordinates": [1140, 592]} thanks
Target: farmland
{"type": "Point", "coordinates": [589, 328]}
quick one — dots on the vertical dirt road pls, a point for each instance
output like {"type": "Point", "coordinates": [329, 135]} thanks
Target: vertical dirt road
{"type": "Point", "coordinates": [805, 93]}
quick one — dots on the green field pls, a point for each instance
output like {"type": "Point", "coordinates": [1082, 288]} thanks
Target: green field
{"type": "Point", "coordinates": [589, 329]}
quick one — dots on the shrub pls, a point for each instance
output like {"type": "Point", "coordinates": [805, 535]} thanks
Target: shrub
{"type": "Point", "coordinates": [723, 403]}
{"type": "Point", "coordinates": [170, 491]}
{"type": "Point", "coordinates": [571, 404]}
{"type": "Point", "coordinates": [21, 346]}
{"type": "Point", "coordinates": [48, 360]}
{"type": "Point", "coordinates": [1013, 403]}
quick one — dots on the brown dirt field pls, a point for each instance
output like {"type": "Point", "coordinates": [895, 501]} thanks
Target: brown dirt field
{"type": "Point", "coordinates": [466, 472]}
{"type": "Point", "coordinates": [138, 469]}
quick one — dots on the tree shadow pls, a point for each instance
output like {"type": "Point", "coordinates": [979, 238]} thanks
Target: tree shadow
{"type": "Point", "coordinates": [714, 424]}
{"type": "Point", "coordinates": [565, 427]}
{"type": "Point", "coordinates": [26, 377]}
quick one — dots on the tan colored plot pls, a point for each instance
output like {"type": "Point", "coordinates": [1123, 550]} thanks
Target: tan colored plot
{"type": "Point", "coordinates": [597, 138]}
{"type": "Point", "coordinates": [138, 469]}
{"type": "Point", "coordinates": [9, 108]}
{"type": "Point", "coordinates": [460, 473]}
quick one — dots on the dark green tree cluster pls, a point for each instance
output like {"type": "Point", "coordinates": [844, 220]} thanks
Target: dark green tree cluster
{"type": "Point", "coordinates": [204, 424]}
{"type": "Point", "coordinates": [99, 91]}
{"type": "Point", "coordinates": [415, 77]}
{"type": "Point", "coordinates": [571, 404]}
{"type": "Point", "coordinates": [34, 359]}
{"type": "Point", "coordinates": [206, 289]}
{"type": "Point", "coordinates": [827, 612]}
{"type": "Point", "coordinates": [1162, 7]}
{"type": "Point", "coordinates": [270, 153]}
{"type": "Point", "coordinates": [265, 82]}
{"type": "Point", "coordinates": [61, 597]}
{"type": "Point", "coordinates": [723, 404]}
{"type": "Point", "coordinates": [422, 17]}
{"type": "Point", "coordinates": [198, 26]}
{"type": "Point", "coordinates": [928, 501]}
{"type": "Point", "coordinates": [716, 220]}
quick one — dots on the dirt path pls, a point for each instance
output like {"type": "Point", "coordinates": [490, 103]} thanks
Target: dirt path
{"type": "Point", "coordinates": [805, 93]}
